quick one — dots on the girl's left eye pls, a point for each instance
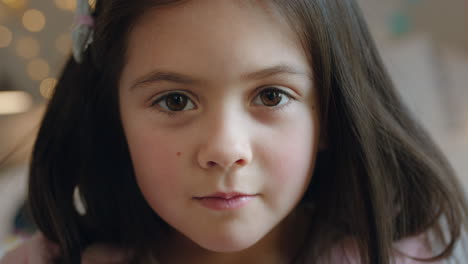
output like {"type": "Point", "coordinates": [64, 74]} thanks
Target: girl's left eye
{"type": "Point", "coordinates": [272, 97]}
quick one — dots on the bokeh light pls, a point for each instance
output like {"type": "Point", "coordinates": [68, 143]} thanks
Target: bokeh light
{"type": "Point", "coordinates": [13, 102]}
{"type": "Point", "coordinates": [27, 47]}
{"type": "Point", "coordinates": [63, 43]}
{"type": "Point", "coordinates": [34, 20]}
{"type": "Point", "coordinates": [17, 4]}
{"type": "Point", "coordinates": [5, 37]}
{"type": "Point", "coordinates": [38, 69]}
{"type": "Point", "coordinates": [47, 87]}
{"type": "Point", "coordinates": [66, 4]}
{"type": "Point", "coordinates": [70, 5]}
{"type": "Point", "coordinates": [92, 3]}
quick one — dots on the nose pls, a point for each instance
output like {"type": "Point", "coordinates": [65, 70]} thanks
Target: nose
{"type": "Point", "coordinates": [226, 145]}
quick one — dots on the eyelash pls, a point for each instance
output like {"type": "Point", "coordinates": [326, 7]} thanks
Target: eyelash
{"type": "Point", "coordinates": [176, 113]}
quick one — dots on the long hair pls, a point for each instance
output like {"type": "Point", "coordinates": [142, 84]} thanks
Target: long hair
{"type": "Point", "coordinates": [380, 180]}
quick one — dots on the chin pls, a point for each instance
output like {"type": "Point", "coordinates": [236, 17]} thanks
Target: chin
{"type": "Point", "coordinates": [228, 244]}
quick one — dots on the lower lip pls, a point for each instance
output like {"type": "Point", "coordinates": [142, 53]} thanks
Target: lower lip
{"type": "Point", "coordinates": [216, 203]}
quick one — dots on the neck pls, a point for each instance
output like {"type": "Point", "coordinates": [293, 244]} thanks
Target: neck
{"type": "Point", "coordinates": [279, 246]}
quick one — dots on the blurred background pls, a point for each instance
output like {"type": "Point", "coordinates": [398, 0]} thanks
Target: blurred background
{"type": "Point", "coordinates": [424, 44]}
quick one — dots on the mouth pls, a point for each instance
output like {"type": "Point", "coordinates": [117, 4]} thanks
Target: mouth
{"type": "Point", "coordinates": [225, 201]}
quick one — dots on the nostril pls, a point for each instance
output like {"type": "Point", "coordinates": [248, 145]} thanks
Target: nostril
{"type": "Point", "coordinates": [241, 162]}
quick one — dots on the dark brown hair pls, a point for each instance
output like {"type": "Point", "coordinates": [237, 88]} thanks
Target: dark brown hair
{"type": "Point", "coordinates": [381, 179]}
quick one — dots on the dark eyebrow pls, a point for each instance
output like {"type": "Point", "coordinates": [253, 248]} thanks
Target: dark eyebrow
{"type": "Point", "coordinates": [271, 71]}
{"type": "Point", "coordinates": [159, 76]}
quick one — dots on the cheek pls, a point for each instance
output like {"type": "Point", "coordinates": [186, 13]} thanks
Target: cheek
{"type": "Point", "coordinates": [291, 159]}
{"type": "Point", "coordinates": [156, 159]}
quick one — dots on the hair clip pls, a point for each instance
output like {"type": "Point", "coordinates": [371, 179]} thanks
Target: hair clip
{"type": "Point", "coordinates": [82, 34]}
{"type": "Point", "coordinates": [78, 202]}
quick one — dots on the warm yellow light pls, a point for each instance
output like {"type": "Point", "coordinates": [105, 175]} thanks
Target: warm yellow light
{"type": "Point", "coordinates": [66, 4]}
{"type": "Point", "coordinates": [15, 3]}
{"type": "Point", "coordinates": [38, 69]}
{"type": "Point", "coordinates": [34, 20]}
{"type": "Point", "coordinates": [71, 4]}
{"type": "Point", "coordinates": [27, 47]}
{"type": "Point", "coordinates": [13, 102]}
{"type": "Point", "coordinates": [5, 37]}
{"type": "Point", "coordinates": [92, 3]}
{"type": "Point", "coordinates": [47, 87]}
{"type": "Point", "coordinates": [63, 44]}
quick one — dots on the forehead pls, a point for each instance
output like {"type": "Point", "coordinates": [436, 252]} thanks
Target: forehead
{"type": "Point", "coordinates": [214, 39]}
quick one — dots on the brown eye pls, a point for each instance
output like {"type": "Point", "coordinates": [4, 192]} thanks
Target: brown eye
{"type": "Point", "coordinates": [174, 102]}
{"type": "Point", "coordinates": [272, 97]}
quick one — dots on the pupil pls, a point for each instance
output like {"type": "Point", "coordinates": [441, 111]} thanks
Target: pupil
{"type": "Point", "coordinates": [271, 98]}
{"type": "Point", "coordinates": [176, 102]}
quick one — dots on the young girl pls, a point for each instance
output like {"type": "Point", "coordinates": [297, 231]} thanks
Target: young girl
{"type": "Point", "coordinates": [237, 132]}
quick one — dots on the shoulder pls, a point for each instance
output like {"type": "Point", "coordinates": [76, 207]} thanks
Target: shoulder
{"type": "Point", "coordinates": [404, 251]}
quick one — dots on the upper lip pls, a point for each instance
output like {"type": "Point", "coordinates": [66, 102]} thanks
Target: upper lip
{"type": "Point", "coordinates": [224, 195]}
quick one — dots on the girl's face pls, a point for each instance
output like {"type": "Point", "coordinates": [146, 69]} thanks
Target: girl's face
{"type": "Point", "coordinates": [217, 98]}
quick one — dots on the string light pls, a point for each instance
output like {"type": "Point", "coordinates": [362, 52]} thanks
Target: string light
{"type": "Point", "coordinates": [38, 69]}
{"type": "Point", "coordinates": [27, 47]}
{"type": "Point", "coordinates": [47, 87]}
{"type": "Point", "coordinates": [5, 37]}
{"type": "Point", "coordinates": [34, 20]}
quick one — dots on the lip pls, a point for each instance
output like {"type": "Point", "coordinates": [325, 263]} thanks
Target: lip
{"type": "Point", "coordinates": [224, 195]}
{"type": "Point", "coordinates": [225, 201]}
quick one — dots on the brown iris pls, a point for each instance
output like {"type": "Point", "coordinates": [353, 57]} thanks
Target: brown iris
{"type": "Point", "coordinates": [176, 102]}
{"type": "Point", "coordinates": [271, 97]}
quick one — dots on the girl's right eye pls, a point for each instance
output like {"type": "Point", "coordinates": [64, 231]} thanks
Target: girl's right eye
{"type": "Point", "coordinates": [174, 102]}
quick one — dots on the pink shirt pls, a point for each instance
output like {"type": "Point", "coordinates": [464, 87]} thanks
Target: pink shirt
{"type": "Point", "coordinates": [346, 253]}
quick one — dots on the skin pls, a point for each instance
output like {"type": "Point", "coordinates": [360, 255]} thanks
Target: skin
{"type": "Point", "coordinates": [225, 138]}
